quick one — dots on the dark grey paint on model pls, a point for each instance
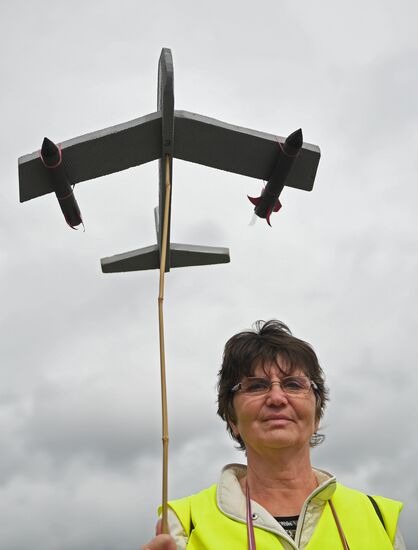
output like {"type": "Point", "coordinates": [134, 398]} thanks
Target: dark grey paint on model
{"type": "Point", "coordinates": [182, 135]}
{"type": "Point", "coordinates": [165, 105]}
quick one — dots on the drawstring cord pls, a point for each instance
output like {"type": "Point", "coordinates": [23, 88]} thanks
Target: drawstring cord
{"type": "Point", "coordinates": [250, 526]}
{"type": "Point", "coordinates": [340, 529]}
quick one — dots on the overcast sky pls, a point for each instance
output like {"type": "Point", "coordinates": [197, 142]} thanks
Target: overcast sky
{"type": "Point", "coordinates": [80, 461]}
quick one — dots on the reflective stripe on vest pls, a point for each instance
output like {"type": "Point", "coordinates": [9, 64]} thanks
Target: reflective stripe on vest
{"type": "Point", "coordinates": [209, 529]}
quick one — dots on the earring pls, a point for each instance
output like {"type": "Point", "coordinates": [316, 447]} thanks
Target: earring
{"type": "Point", "coordinates": [316, 439]}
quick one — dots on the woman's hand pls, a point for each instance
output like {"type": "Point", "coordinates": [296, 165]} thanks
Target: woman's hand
{"type": "Point", "coordinates": [160, 542]}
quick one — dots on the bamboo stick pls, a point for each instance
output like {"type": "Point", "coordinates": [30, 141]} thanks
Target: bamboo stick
{"type": "Point", "coordinates": [165, 438]}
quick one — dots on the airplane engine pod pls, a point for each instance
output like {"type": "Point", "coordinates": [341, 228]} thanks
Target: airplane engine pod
{"type": "Point", "coordinates": [269, 201]}
{"type": "Point", "coordinates": [51, 157]}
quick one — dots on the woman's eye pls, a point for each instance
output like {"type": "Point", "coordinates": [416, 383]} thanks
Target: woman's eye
{"type": "Point", "coordinates": [293, 384]}
{"type": "Point", "coordinates": [257, 386]}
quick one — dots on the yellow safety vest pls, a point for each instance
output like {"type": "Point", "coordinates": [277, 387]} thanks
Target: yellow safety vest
{"type": "Point", "coordinates": [208, 528]}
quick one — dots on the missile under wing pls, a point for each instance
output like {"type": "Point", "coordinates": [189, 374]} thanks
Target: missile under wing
{"type": "Point", "coordinates": [178, 134]}
{"type": "Point", "coordinates": [197, 138]}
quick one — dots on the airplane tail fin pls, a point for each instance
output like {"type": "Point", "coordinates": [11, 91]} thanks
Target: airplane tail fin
{"type": "Point", "coordinates": [181, 255]}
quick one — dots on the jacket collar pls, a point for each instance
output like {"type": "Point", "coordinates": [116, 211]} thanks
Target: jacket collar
{"type": "Point", "coordinates": [231, 500]}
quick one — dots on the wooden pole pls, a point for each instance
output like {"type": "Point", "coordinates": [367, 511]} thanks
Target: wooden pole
{"type": "Point", "coordinates": [164, 411]}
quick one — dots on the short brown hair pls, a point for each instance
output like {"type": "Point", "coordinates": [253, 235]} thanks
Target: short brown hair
{"type": "Point", "coordinates": [247, 349]}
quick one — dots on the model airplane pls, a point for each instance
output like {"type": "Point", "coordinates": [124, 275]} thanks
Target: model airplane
{"type": "Point", "coordinates": [182, 135]}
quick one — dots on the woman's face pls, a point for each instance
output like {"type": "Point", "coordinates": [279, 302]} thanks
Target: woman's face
{"type": "Point", "coordinates": [274, 420]}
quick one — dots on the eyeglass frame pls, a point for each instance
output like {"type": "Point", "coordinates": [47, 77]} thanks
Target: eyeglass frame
{"type": "Point", "coordinates": [238, 387]}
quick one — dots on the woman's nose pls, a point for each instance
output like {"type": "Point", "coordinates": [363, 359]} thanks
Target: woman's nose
{"type": "Point", "coordinates": [276, 395]}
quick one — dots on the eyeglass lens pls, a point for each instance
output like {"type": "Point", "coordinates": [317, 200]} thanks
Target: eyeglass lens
{"type": "Point", "coordinates": [293, 385]}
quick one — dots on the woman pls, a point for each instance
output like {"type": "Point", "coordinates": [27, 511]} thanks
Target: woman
{"type": "Point", "coordinates": [272, 395]}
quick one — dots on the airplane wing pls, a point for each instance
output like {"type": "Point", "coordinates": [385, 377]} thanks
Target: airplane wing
{"type": "Point", "coordinates": [251, 153]}
{"type": "Point", "coordinates": [96, 154]}
{"type": "Point", "coordinates": [197, 138]}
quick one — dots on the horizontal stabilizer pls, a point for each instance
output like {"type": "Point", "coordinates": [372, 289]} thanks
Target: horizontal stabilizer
{"type": "Point", "coordinates": [181, 255]}
{"type": "Point", "coordinates": [135, 260]}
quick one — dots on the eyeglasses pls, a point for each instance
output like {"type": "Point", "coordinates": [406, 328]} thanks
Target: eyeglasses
{"type": "Point", "coordinates": [295, 386]}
